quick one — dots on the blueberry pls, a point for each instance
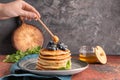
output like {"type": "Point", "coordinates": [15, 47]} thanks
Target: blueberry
{"type": "Point", "coordinates": [62, 46]}
{"type": "Point", "coordinates": [54, 48]}
{"type": "Point", "coordinates": [51, 46]}
{"type": "Point", "coordinates": [50, 43]}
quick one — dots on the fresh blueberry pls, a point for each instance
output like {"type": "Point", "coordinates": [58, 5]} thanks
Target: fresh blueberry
{"type": "Point", "coordinates": [62, 46]}
{"type": "Point", "coordinates": [51, 46]}
{"type": "Point", "coordinates": [50, 43]}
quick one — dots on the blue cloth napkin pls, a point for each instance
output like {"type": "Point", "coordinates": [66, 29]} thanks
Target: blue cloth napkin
{"type": "Point", "coordinates": [19, 74]}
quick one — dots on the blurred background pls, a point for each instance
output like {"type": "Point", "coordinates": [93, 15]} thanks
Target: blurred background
{"type": "Point", "coordinates": [76, 22]}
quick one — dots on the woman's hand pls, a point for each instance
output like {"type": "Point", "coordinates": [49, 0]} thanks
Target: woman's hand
{"type": "Point", "coordinates": [18, 8]}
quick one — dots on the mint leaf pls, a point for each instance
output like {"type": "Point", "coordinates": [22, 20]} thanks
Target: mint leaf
{"type": "Point", "coordinates": [68, 66]}
{"type": "Point", "coordinates": [15, 57]}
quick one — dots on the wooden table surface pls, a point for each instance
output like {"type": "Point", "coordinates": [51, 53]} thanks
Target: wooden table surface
{"type": "Point", "coordinates": [109, 71]}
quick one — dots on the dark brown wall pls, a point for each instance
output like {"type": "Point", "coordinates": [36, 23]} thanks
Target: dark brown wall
{"type": "Point", "coordinates": [76, 22]}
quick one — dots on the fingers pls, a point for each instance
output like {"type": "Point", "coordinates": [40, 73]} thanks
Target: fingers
{"type": "Point", "coordinates": [4, 17]}
{"type": "Point", "coordinates": [31, 10]}
{"type": "Point", "coordinates": [28, 15]}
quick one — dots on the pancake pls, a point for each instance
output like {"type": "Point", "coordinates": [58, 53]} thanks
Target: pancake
{"type": "Point", "coordinates": [57, 52]}
{"type": "Point", "coordinates": [52, 62]}
{"type": "Point", "coordinates": [51, 67]}
{"type": "Point", "coordinates": [59, 57]}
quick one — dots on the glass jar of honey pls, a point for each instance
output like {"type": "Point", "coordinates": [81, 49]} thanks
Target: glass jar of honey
{"type": "Point", "coordinates": [92, 54]}
{"type": "Point", "coordinates": [87, 54]}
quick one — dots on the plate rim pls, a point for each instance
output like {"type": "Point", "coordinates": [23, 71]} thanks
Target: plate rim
{"type": "Point", "coordinates": [77, 70]}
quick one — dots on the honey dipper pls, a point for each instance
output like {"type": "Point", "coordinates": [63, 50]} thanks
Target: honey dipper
{"type": "Point", "coordinates": [54, 37]}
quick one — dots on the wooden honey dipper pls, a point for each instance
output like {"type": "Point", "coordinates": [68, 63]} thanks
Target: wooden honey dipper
{"type": "Point", "coordinates": [54, 37]}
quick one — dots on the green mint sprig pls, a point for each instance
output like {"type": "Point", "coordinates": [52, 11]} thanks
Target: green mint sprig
{"type": "Point", "coordinates": [15, 57]}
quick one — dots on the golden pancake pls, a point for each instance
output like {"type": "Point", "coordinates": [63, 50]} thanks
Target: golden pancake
{"type": "Point", "coordinates": [52, 66]}
{"type": "Point", "coordinates": [55, 64]}
{"type": "Point", "coordinates": [57, 52]}
{"type": "Point", "coordinates": [52, 62]}
{"type": "Point", "coordinates": [62, 56]}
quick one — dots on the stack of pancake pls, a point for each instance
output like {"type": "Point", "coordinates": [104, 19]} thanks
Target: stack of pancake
{"type": "Point", "coordinates": [54, 59]}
